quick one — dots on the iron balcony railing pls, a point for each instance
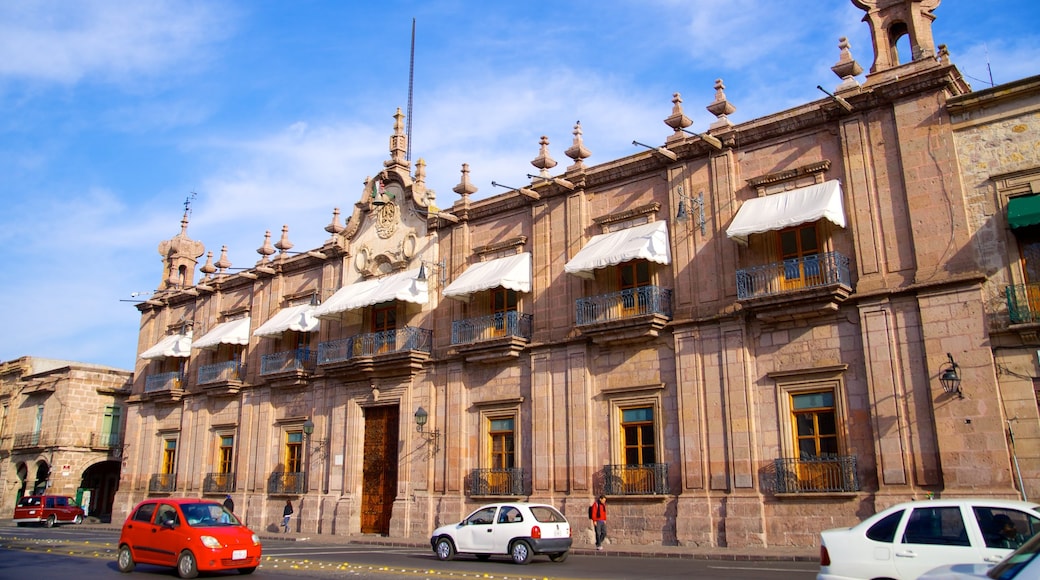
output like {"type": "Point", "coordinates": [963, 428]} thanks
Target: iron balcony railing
{"type": "Point", "coordinates": [795, 274]}
{"type": "Point", "coordinates": [645, 479]}
{"type": "Point", "coordinates": [218, 483]}
{"type": "Point", "coordinates": [1023, 303]}
{"type": "Point", "coordinates": [365, 345]}
{"type": "Point", "coordinates": [300, 359]}
{"type": "Point", "coordinates": [33, 439]}
{"type": "Point", "coordinates": [629, 303]}
{"type": "Point", "coordinates": [287, 482]}
{"type": "Point", "coordinates": [162, 382]}
{"type": "Point", "coordinates": [816, 474]}
{"type": "Point", "coordinates": [496, 482]}
{"type": "Point", "coordinates": [498, 325]}
{"type": "Point", "coordinates": [163, 482]}
{"type": "Point", "coordinates": [106, 440]}
{"type": "Point", "coordinates": [220, 372]}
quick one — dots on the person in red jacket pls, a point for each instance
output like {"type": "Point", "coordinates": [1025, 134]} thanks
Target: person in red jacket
{"type": "Point", "coordinates": [598, 513]}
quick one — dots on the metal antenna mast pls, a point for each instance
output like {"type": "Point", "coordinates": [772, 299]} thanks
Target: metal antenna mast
{"type": "Point", "coordinates": [411, 75]}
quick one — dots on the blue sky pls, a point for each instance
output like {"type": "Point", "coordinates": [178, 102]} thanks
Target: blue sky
{"type": "Point", "coordinates": [112, 113]}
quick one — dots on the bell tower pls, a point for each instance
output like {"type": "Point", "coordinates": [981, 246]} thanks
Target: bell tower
{"type": "Point", "coordinates": [890, 21]}
{"type": "Point", "coordinates": [180, 256]}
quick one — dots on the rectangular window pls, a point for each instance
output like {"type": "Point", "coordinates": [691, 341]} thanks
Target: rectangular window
{"type": "Point", "coordinates": [799, 249]}
{"type": "Point", "coordinates": [169, 458]}
{"type": "Point", "coordinates": [226, 454]}
{"type": "Point", "coordinates": [3, 417]}
{"type": "Point", "coordinates": [294, 452]}
{"type": "Point", "coordinates": [815, 425]}
{"type": "Point", "coordinates": [502, 443]}
{"type": "Point", "coordinates": [110, 426]}
{"type": "Point", "coordinates": [637, 426]}
{"type": "Point", "coordinates": [384, 323]}
{"type": "Point", "coordinates": [503, 301]}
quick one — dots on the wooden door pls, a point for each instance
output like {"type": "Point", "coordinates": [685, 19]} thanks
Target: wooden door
{"type": "Point", "coordinates": [379, 475]}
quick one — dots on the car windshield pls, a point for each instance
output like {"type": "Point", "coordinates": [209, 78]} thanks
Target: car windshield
{"type": "Point", "coordinates": [208, 515]}
{"type": "Point", "coordinates": [1009, 567]}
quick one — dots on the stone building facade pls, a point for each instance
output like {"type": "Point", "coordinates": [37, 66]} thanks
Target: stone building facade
{"type": "Point", "coordinates": [61, 431]}
{"type": "Point", "coordinates": [738, 335]}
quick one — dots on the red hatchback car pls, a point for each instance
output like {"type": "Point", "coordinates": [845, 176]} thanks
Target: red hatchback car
{"type": "Point", "coordinates": [189, 534]}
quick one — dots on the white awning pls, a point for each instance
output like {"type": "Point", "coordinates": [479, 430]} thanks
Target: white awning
{"type": "Point", "coordinates": [512, 273]}
{"type": "Point", "coordinates": [787, 209]}
{"type": "Point", "coordinates": [173, 345]}
{"type": "Point", "coordinates": [230, 332]}
{"type": "Point", "coordinates": [646, 241]}
{"type": "Point", "coordinates": [401, 286]}
{"type": "Point", "coordinates": [299, 318]}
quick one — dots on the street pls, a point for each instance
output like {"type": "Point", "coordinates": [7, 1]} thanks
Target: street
{"type": "Point", "coordinates": [90, 553]}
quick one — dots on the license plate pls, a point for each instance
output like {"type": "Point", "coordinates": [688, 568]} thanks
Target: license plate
{"type": "Point", "coordinates": [238, 555]}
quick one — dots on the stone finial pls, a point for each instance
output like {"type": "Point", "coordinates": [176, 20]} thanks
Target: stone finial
{"type": "Point", "coordinates": [265, 250]}
{"type": "Point", "coordinates": [284, 244]}
{"type": "Point", "coordinates": [465, 188]}
{"type": "Point", "coordinates": [577, 150]}
{"type": "Point", "coordinates": [943, 55]}
{"type": "Point", "coordinates": [398, 143]}
{"type": "Point", "coordinates": [677, 120]}
{"type": "Point", "coordinates": [334, 226]}
{"type": "Point", "coordinates": [208, 268]}
{"type": "Point", "coordinates": [223, 263]}
{"type": "Point", "coordinates": [846, 68]}
{"type": "Point", "coordinates": [721, 107]}
{"type": "Point", "coordinates": [543, 162]}
{"type": "Point", "coordinates": [419, 184]}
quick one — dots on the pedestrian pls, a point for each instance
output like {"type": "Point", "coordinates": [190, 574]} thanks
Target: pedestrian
{"type": "Point", "coordinates": [229, 503]}
{"type": "Point", "coordinates": [287, 513]}
{"type": "Point", "coordinates": [598, 514]}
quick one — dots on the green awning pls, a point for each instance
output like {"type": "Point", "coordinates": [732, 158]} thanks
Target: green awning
{"type": "Point", "coordinates": [1024, 211]}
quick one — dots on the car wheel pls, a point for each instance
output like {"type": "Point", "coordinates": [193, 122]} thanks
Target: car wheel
{"type": "Point", "coordinates": [445, 549]}
{"type": "Point", "coordinates": [78, 520]}
{"type": "Point", "coordinates": [249, 570]}
{"type": "Point", "coordinates": [559, 557]}
{"type": "Point", "coordinates": [186, 565]}
{"type": "Point", "coordinates": [51, 520]}
{"type": "Point", "coordinates": [483, 557]}
{"type": "Point", "coordinates": [125, 560]}
{"type": "Point", "coordinates": [521, 552]}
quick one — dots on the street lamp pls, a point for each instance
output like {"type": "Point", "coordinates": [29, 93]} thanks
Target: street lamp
{"type": "Point", "coordinates": [431, 437]}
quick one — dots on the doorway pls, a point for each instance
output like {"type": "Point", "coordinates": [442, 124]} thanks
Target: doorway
{"type": "Point", "coordinates": [379, 475]}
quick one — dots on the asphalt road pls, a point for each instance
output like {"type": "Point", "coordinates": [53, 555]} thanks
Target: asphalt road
{"type": "Point", "coordinates": [85, 554]}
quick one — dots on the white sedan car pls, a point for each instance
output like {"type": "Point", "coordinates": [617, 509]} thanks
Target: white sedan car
{"type": "Point", "coordinates": [517, 529]}
{"type": "Point", "coordinates": [909, 539]}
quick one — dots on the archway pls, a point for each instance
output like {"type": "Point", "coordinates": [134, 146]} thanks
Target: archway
{"type": "Point", "coordinates": [43, 476]}
{"type": "Point", "coordinates": [22, 471]}
{"type": "Point", "coordinates": [100, 481]}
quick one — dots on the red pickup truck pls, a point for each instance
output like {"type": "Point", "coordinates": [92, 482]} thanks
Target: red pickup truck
{"type": "Point", "coordinates": [47, 510]}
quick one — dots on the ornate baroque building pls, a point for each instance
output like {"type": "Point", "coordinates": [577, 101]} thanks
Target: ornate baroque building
{"type": "Point", "coordinates": [61, 431]}
{"type": "Point", "coordinates": [742, 336]}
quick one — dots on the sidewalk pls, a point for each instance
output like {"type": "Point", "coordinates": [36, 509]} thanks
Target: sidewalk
{"type": "Point", "coordinates": [753, 554]}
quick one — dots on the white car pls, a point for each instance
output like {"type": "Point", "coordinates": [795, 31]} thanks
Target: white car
{"type": "Point", "coordinates": [909, 539]}
{"type": "Point", "coordinates": [1022, 564]}
{"type": "Point", "coordinates": [517, 529]}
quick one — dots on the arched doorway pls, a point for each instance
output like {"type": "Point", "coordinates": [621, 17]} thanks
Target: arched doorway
{"type": "Point", "coordinates": [43, 476]}
{"type": "Point", "coordinates": [22, 470]}
{"type": "Point", "coordinates": [100, 481]}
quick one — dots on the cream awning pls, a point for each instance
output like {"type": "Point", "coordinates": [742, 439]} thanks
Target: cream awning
{"type": "Point", "coordinates": [512, 272]}
{"type": "Point", "coordinates": [401, 286]}
{"type": "Point", "coordinates": [787, 209]}
{"type": "Point", "coordinates": [647, 241]}
{"type": "Point", "coordinates": [299, 318]}
{"type": "Point", "coordinates": [230, 332]}
{"type": "Point", "coordinates": [171, 346]}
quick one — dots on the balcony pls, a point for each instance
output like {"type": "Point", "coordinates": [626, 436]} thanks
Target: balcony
{"type": "Point", "coordinates": [631, 315]}
{"type": "Point", "coordinates": [287, 483]}
{"type": "Point", "coordinates": [377, 354]}
{"type": "Point", "coordinates": [218, 483]}
{"type": "Point", "coordinates": [497, 337]}
{"type": "Point", "coordinates": [162, 482]}
{"type": "Point", "coordinates": [1023, 304]}
{"type": "Point", "coordinates": [34, 440]}
{"type": "Point", "coordinates": [106, 440]}
{"type": "Point", "coordinates": [645, 479]}
{"type": "Point", "coordinates": [796, 289]}
{"type": "Point", "coordinates": [222, 378]}
{"type": "Point", "coordinates": [290, 368]}
{"type": "Point", "coordinates": [164, 387]}
{"type": "Point", "coordinates": [497, 482]}
{"type": "Point", "coordinates": [835, 474]}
